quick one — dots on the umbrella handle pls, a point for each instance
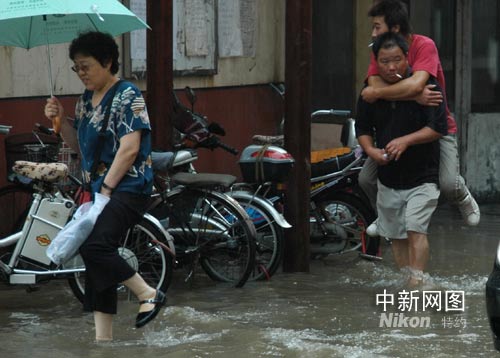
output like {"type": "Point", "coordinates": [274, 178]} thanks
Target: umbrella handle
{"type": "Point", "coordinates": [56, 124]}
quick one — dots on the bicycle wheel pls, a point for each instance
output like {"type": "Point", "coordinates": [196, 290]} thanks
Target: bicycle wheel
{"type": "Point", "coordinates": [212, 226]}
{"type": "Point", "coordinates": [349, 216]}
{"type": "Point", "coordinates": [269, 240]}
{"type": "Point", "coordinates": [143, 249]}
{"type": "Point", "coordinates": [15, 201]}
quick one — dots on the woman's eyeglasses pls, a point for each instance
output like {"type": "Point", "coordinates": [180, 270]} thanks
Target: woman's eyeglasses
{"type": "Point", "coordinates": [78, 68]}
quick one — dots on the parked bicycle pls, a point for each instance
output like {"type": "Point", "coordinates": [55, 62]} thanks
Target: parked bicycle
{"type": "Point", "coordinates": [268, 222]}
{"type": "Point", "coordinates": [16, 197]}
{"type": "Point", "coordinates": [208, 226]}
{"type": "Point", "coordinates": [41, 145]}
{"type": "Point", "coordinates": [146, 246]}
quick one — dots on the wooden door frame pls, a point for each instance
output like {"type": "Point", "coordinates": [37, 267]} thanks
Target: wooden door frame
{"type": "Point", "coordinates": [463, 75]}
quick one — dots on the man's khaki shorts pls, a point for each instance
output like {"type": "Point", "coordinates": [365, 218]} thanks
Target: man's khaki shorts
{"type": "Point", "coordinates": [400, 211]}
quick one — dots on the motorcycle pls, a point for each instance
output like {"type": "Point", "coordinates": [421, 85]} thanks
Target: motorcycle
{"type": "Point", "coordinates": [339, 210]}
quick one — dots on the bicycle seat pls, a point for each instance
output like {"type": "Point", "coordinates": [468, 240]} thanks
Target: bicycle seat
{"type": "Point", "coordinates": [278, 140]}
{"type": "Point", "coordinates": [47, 172]}
{"type": "Point", "coordinates": [204, 179]}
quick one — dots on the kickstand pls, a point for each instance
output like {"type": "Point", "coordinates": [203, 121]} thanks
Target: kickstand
{"type": "Point", "coordinates": [32, 288]}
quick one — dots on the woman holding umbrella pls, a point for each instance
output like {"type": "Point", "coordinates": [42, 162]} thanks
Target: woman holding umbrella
{"type": "Point", "coordinates": [122, 171]}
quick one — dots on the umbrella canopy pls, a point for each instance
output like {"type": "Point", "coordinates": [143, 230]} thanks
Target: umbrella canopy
{"type": "Point", "coordinates": [31, 23]}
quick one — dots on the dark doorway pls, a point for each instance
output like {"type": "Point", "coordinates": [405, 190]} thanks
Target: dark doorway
{"type": "Point", "coordinates": [333, 64]}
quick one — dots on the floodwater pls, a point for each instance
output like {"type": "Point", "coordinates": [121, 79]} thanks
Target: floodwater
{"type": "Point", "coordinates": [330, 312]}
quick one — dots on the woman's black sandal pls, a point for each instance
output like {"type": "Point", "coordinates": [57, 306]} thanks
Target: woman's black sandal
{"type": "Point", "coordinates": [145, 317]}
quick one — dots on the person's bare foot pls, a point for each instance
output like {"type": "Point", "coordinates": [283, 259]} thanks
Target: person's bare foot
{"type": "Point", "coordinates": [415, 278]}
{"type": "Point", "coordinates": [414, 282]}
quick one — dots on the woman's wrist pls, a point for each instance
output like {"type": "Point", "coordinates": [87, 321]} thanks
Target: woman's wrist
{"type": "Point", "coordinates": [107, 187]}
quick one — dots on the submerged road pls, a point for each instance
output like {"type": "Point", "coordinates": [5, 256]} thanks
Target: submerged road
{"type": "Point", "coordinates": [336, 310]}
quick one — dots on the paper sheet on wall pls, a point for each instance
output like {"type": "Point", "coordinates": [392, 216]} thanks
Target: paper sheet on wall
{"type": "Point", "coordinates": [229, 32]}
{"type": "Point", "coordinates": [248, 16]}
{"type": "Point", "coordinates": [194, 40]}
{"type": "Point", "coordinates": [194, 49]}
{"type": "Point", "coordinates": [138, 56]}
{"type": "Point", "coordinates": [138, 37]}
{"type": "Point", "coordinates": [196, 28]}
{"type": "Point", "coordinates": [237, 28]}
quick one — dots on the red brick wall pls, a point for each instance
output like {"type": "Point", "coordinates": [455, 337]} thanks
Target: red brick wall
{"type": "Point", "coordinates": [242, 111]}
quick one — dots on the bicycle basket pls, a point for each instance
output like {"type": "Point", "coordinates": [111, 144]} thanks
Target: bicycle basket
{"type": "Point", "coordinates": [25, 146]}
{"type": "Point", "coordinates": [71, 159]}
{"type": "Point", "coordinates": [41, 153]}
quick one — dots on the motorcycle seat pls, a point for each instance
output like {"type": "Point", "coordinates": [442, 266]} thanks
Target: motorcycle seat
{"type": "Point", "coordinates": [320, 155]}
{"type": "Point", "coordinates": [332, 165]}
{"type": "Point", "coordinates": [164, 161]}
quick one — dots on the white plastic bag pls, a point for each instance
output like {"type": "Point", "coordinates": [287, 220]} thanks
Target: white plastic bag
{"type": "Point", "coordinates": [67, 242]}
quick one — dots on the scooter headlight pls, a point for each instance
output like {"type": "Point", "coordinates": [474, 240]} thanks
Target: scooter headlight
{"type": "Point", "coordinates": [497, 260]}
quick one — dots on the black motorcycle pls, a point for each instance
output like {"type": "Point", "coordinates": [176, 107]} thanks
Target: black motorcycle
{"type": "Point", "coordinates": [493, 300]}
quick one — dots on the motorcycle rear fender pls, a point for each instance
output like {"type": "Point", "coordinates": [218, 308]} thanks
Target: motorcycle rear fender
{"type": "Point", "coordinates": [249, 197]}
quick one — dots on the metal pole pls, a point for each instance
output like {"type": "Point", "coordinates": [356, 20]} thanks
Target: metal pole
{"type": "Point", "coordinates": [48, 56]}
{"type": "Point", "coordinates": [298, 64]}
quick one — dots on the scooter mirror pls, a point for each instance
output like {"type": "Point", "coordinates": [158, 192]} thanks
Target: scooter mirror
{"type": "Point", "coordinates": [216, 128]}
{"type": "Point", "coordinates": [191, 96]}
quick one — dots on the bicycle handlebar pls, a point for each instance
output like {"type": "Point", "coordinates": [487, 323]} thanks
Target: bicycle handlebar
{"type": "Point", "coordinates": [213, 142]}
{"type": "Point", "coordinates": [227, 148]}
{"type": "Point", "coordinates": [4, 129]}
{"type": "Point", "coordinates": [44, 129]}
{"type": "Point", "coordinates": [331, 112]}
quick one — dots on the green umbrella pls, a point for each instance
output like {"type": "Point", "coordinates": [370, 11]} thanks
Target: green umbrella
{"type": "Point", "coordinates": [31, 23]}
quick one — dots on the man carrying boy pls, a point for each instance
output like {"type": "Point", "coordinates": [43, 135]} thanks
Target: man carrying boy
{"type": "Point", "coordinates": [392, 15]}
{"type": "Point", "coordinates": [407, 154]}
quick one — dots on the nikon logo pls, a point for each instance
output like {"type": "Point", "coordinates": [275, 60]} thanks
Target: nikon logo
{"type": "Point", "coordinates": [399, 320]}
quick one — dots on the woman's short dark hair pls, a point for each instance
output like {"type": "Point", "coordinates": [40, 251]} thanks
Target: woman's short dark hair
{"type": "Point", "coordinates": [395, 13]}
{"type": "Point", "coordinates": [389, 40]}
{"type": "Point", "coordinates": [99, 45]}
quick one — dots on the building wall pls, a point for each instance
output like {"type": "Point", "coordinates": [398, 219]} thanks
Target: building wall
{"type": "Point", "coordinates": [481, 162]}
{"type": "Point", "coordinates": [243, 111]}
{"type": "Point", "coordinates": [238, 96]}
{"type": "Point", "coordinates": [362, 37]}
{"type": "Point", "coordinates": [24, 73]}
{"type": "Point", "coordinates": [267, 66]}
